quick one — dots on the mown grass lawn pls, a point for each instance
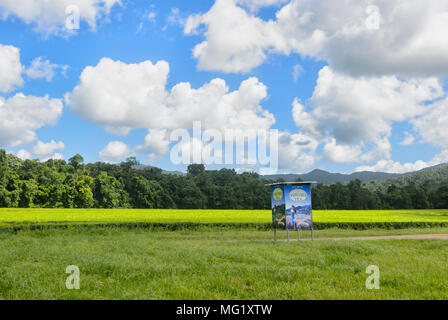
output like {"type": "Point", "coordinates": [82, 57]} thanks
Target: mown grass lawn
{"type": "Point", "coordinates": [137, 264]}
{"type": "Point", "coordinates": [64, 216]}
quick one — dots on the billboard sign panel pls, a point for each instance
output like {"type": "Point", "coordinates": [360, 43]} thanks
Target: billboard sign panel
{"type": "Point", "coordinates": [278, 206]}
{"type": "Point", "coordinates": [298, 206]}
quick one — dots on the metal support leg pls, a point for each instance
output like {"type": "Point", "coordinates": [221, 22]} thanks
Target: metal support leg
{"type": "Point", "coordinates": [298, 234]}
{"type": "Point", "coordinates": [275, 234]}
{"type": "Point", "coordinates": [287, 232]}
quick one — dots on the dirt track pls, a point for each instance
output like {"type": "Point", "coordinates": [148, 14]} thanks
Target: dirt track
{"type": "Point", "coordinates": [401, 237]}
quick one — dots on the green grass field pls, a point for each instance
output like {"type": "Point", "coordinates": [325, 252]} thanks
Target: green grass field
{"type": "Point", "coordinates": [117, 216]}
{"type": "Point", "coordinates": [137, 264]}
{"type": "Point", "coordinates": [215, 263]}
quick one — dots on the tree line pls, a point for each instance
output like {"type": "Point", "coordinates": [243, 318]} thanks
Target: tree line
{"type": "Point", "coordinates": [356, 196]}
{"type": "Point", "coordinates": [73, 184]}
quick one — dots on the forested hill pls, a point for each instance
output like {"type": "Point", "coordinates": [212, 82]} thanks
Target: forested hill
{"type": "Point", "coordinates": [427, 178]}
{"type": "Point", "coordinates": [434, 173]}
{"type": "Point", "coordinates": [325, 177]}
{"type": "Point", "coordinates": [73, 184]}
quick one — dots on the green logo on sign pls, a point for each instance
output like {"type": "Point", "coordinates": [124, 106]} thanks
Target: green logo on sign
{"type": "Point", "coordinates": [278, 194]}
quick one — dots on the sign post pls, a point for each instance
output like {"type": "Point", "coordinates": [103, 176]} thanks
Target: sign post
{"type": "Point", "coordinates": [291, 207]}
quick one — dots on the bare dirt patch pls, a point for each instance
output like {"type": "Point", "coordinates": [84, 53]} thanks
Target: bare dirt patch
{"type": "Point", "coordinates": [398, 237]}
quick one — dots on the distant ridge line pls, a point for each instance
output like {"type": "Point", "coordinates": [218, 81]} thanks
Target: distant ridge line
{"type": "Point", "coordinates": [325, 177]}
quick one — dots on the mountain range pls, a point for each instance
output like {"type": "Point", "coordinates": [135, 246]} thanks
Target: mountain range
{"type": "Point", "coordinates": [321, 176]}
{"type": "Point", "coordinates": [432, 174]}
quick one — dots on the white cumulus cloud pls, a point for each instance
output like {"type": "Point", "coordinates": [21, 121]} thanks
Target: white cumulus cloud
{"type": "Point", "coordinates": [433, 125]}
{"type": "Point", "coordinates": [156, 144]}
{"type": "Point", "coordinates": [47, 150]}
{"type": "Point", "coordinates": [115, 151]}
{"type": "Point", "coordinates": [10, 68]}
{"type": "Point", "coordinates": [357, 114]}
{"type": "Point", "coordinates": [21, 115]}
{"type": "Point", "coordinates": [391, 166]}
{"type": "Point", "coordinates": [410, 40]}
{"type": "Point", "coordinates": [24, 154]}
{"type": "Point", "coordinates": [123, 97]}
{"type": "Point", "coordinates": [296, 151]}
{"type": "Point", "coordinates": [42, 68]}
{"type": "Point", "coordinates": [56, 156]}
{"type": "Point", "coordinates": [341, 153]}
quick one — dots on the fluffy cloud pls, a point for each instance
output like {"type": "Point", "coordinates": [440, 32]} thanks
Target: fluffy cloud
{"type": "Point", "coordinates": [341, 153]}
{"type": "Point", "coordinates": [122, 97]}
{"type": "Point", "coordinates": [410, 39]}
{"type": "Point", "coordinates": [115, 151]}
{"type": "Point", "coordinates": [56, 156]}
{"type": "Point", "coordinates": [42, 68]}
{"type": "Point", "coordinates": [21, 115]}
{"type": "Point", "coordinates": [46, 151]}
{"type": "Point", "coordinates": [11, 68]}
{"type": "Point", "coordinates": [24, 154]}
{"type": "Point", "coordinates": [49, 16]}
{"type": "Point", "coordinates": [433, 126]}
{"type": "Point", "coordinates": [357, 114]}
{"type": "Point", "coordinates": [117, 95]}
{"type": "Point", "coordinates": [236, 41]}
{"type": "Point", "coordinates": [391, 166]}
{"type": "Point", "coordinates": [379, 73]}
{"type": "Point", "coordinates": [195, 150]}
{"type": "Point", "coordinates": [304, 119]}
{"type": "Point", "coordinates": [156, 144]}
{"type": "Point", "coordinates": [296, 151]}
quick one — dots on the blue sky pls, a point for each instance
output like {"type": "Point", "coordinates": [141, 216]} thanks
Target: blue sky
{"type": "Point", "coordinates": [376, 86]}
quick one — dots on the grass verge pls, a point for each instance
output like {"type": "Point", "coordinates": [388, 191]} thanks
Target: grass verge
{"type": "Point", "coordinates": [137, 264]}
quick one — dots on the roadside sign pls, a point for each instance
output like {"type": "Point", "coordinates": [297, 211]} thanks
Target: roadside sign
{"type": "Point", "coordinates": [291, 206]}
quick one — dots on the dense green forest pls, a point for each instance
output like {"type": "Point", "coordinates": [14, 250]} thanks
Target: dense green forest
{"type": "Point", "coordinates": [73, 184]}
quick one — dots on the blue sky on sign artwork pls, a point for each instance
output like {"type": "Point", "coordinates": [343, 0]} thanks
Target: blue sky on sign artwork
{"type": "Point", "coordinates": [352, 85]}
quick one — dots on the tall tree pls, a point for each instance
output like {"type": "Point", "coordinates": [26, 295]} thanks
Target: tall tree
{"type": "Point", "coordinates": [195, 169]}
{"type": "Point", "coordinates": [76, 161]}
{"type": "Point", "coordinates": [109, 192]}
